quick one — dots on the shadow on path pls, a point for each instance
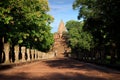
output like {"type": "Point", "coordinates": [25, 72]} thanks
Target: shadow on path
{"type": "Point", "coordinates": [54, 76]}
{"type": "Point", "coordinates": [68, 63]}
{"type": "Point", "coordinates": [5, 67]}
{"type": "Point", "coordinates": [60, 69]}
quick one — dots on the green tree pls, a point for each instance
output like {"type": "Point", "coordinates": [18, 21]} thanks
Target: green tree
{"type": "Point", "coordinates": [101, 20]}
{"type": "Point", "coordinates": [5, 19]}
{"type": "Point", "coordinates": [26, 23]}
{"type": "Point", "coordinates": [78, 39]}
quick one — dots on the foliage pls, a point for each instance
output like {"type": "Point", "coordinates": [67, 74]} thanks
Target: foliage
{"type": "Point", "coordinates": [101, 19]}
{"type": "Point", "coordinates": [78, 39]}
{"type": "Point", "coordinates": [26, 22]}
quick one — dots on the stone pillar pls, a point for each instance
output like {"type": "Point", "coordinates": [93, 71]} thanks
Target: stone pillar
{"type": "Point", "coordinates": [16, 48]}
{"type": "Point", "coordinates": [43, 55]}
{"type": "Point", "coordinates": [23, 53]}
{"type": "Point", "coordinates": [39, 55]}
{"type": "Point", "coordinates": [6, 51]}
{"type": "Point", "coordinates": [28, 54]}
{"type": "Point", "coordinates": [36, 54]}
{"type": "Point", "coordinates": [32, 54]}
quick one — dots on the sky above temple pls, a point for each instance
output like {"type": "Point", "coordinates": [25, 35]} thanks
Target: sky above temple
{"type": "Point", "coordinates": [61, 10]}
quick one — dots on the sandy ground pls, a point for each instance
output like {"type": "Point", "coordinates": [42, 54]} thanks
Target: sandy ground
{"type": "Point", "coordinates": [59, 69]}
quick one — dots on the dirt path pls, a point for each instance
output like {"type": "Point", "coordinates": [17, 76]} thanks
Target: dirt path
{"type": "Point", "coordinates": [59, 69]}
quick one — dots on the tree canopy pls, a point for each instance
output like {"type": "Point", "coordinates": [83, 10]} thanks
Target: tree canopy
{"type": "Point", "coordinates": [78, 39]}
{"type": "Point", "coordinates": [101, 20]}
{"type": "Point", "coordinates": [26, 22]}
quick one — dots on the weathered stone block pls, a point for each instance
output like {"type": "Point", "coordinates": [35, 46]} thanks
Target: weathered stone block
{"type": "Point", "coordinates": [23, 53]}
{"type": "Point", "coordinates": [6, 51]}
{"type": "Point", "coordinates": [16, 48]}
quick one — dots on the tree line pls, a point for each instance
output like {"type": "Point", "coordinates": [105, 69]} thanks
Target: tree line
{"type": "Point", "coordinates": [25, 23]}
{"type": "Point", "coordinates": [97, 37]}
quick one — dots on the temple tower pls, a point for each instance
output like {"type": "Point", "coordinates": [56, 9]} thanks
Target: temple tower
{"type": "Point", "coordinates": [61, 28]}
{"type": "Point", "coordinates": [59, 42]}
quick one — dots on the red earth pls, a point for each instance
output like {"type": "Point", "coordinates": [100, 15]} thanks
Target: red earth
{"type": "Point", "coordinates": [59, 69]}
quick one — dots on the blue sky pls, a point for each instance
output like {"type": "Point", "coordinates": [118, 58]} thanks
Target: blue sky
{"type": "Point", "coordinates": [61, 10]}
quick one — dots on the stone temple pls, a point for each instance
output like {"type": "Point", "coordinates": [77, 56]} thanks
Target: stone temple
{"type": "Point", "coordinates": [61, 28]}
{"type": "Point", "coordinates": [60, 31]}
{"type": "Point", "coordinates": [60, 45]}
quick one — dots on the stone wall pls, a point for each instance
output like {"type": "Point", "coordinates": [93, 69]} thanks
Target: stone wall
{"type": "Point", "coordinates": [24, 55]}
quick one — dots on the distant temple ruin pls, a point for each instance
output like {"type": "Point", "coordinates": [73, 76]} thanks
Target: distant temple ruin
{"type": "Point", "coordinates": [61, 28]}
{"type": "Point", "coordinates": [59, 42]}
{"type": "Point", "coordinates": [60, 31]}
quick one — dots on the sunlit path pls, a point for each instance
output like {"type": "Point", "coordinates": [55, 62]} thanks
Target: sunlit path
{"type": "Point", "coordinates": [59, 69]}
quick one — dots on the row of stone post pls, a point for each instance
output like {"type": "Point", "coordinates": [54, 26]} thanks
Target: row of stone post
{"type": "Point", "coordinates": [26, 54]}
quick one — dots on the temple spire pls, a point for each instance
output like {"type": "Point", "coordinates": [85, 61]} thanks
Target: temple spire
{"type": "Point", "coordinates": [61, 27]}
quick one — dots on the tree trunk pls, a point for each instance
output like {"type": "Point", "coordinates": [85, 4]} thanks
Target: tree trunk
{"type": "Point", "coordinates": [1, 49]}
{"type": "Point", "coordinates": [20, 53]}
{"type": "Point", "coordinates": [113, 52]}
{"type": "Point", "coordinates": [26, 55]}
{"type": "Point", "coordinates": [112, 61]}
{"type": "Point", "coordinates": [12, 53]}
{"type": "Point", "coordinates": [118, 55]}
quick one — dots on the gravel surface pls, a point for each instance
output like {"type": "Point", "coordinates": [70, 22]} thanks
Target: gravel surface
{"type": "Point", "coordinates": [59, 69]}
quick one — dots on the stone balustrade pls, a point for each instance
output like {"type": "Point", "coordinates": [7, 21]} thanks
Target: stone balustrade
{"type": "Point", "coordinates": [16, 48]}
{"type": "Point", "coordinates": [26, 54]}
{"type": "Point", "coordinates": [6, 51]}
